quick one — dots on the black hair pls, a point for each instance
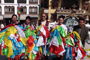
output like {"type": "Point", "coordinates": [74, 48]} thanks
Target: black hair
{"type": "Point", "coordinates": [61, 17]}
{"type": "Point", "coordinates": [43, 13]}
{"type": "Point", "coordinates": [14, 15]}
{"type": "Point", "coordinates": [28, 17]}
{"type": "Point", "coordinates": [81, 19]}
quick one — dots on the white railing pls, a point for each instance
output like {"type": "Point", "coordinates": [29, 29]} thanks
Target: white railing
{"type": "Point", "coordinates": [69, 11]}
{"type": "Point", "coordinates": [64, 10]}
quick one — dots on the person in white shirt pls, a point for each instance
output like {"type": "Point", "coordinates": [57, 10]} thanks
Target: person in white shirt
{"type": "Point", "coordinates": [60, 23]}
{"type": "Point", "coordinates": [43, 21]}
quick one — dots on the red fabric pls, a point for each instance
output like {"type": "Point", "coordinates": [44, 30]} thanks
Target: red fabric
{"type": "Point", "coordinates": [4, 46]}
{"type": "Point", "coordinates": [19, 8]}
{"type": "Point", "coordinates": [16, 58]}
{"type": "Point", "coordinates": [63, 39]}
{"type": "Point", "coordinates": [41, 34]}
{"type": "Point", "coordinates": [81, 49]}
{"type": "Point", "coordinates": [7, 26]}
{"type": "Point", "coordinates": [18, 39]}
{"type": "Point", "coordinates": [8, 58]}
{"type": "Point", "coordinates": [47, 32]}
{"type": "Point", "coordinates": [19, 15]}
{"type": "Point", "coordinates": [0, 50]}
{"type": "Point", "coordinates": [30, 41]}
{"type": "Point", "coordinates": [69, 45]}
{"type": "Point", "coordinates": [72, 35]}
{"type": "Point", "coordinates": [83, 52]}
{"type": "Point", "coordinates": [56, 50]}
{"type": "Point", "coordinates": [78, 43]}
{"type": "Point", "coordinates": [15, 34]}
{"type": "Point", "coordinates": [46, 25]}
{"type": "Point", "coordinates": [30, 27]}
{"type": "Point", "coordinates": [38, 56]}
{"type": "Point", "coordinates": [22, 54]}
{"type": "Point", "coordinates": [73, 53]}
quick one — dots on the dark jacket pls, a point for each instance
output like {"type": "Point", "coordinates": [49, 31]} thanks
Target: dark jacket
{"type": "Point", "coordinates": [84, 33]}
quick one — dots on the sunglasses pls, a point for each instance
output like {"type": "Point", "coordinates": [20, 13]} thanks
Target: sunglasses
{"type": "Point", "coordinates": [43, 16]}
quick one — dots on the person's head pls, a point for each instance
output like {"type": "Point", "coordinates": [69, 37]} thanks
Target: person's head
{"type": "Point", "coordinates": [43, 17]}
{"type": "Point", "coordinates": [81, 21]}
{"type": "Point", "coordinates": [28, 19]}
{"type": "Point", "coordinates": [14, 18]}
{"type": "Point", "coordinates": [70, 25]}
{"type": "Point", "coordinates": [60, 20]}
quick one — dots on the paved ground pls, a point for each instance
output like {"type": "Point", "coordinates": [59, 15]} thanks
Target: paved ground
{"type": "Point", "coordinates": [3, 58]}
{"type": "Point", "coordinates": [87, 46]}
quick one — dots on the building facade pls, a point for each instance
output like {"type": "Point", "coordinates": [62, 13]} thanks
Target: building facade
{"type": "Point", "coordinates": [66, 8]}
{"type": "Point", "coordinates": [28, 8]}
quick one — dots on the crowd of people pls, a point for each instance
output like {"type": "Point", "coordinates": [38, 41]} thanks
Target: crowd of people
{"type": "Point", "coordinates": [81, 29]}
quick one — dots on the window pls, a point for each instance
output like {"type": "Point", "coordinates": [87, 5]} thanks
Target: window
{"type": "Point", "coordinates": [34, 1]}
{"type": "Point", "coordinates": [0, 9]}
{"type": "Point", "coordinates": [9, 10]}
{"type": "Point", "coordinates": [8, 1]}
{"type": "Point", "coordinates": [21, 1]}
{"type": "Point", "coordinates": [85, 5]}
{"type": "Point", "coordinates": [69, 4]}
{"type": "Point", "coordinates": [55, 4]}
{"type": "Point", "coordinates": [30, 10]}
{"type": "Point", "coordinates": [23, 10]}
{"type": "Point", "coordinates": [45, 4]}
{"type": "Point", "coordinates": [30, 0]}
{"type": "Point", "coordinates": [33, 10]}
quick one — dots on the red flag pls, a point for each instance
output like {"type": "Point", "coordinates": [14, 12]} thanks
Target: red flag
{"type": "Point", "coordinates": [63, 39]}
{"type": "Point", "coordinates": [30, 41]}
{"type": "Point", "coordinates": [55, 49]}
{"type": "Point", "coordinates": [0, 49]}
{"type": "Point", "coordinates": [72, 35]}
{"type": "Point", "coordinates": [4, 46]}
{"type": "Point", "coordinates": [47, 32]}
{"type": "Point", "coordinates": [38, 56]}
